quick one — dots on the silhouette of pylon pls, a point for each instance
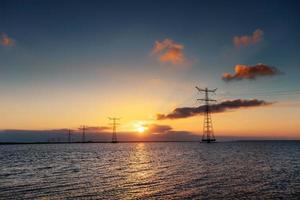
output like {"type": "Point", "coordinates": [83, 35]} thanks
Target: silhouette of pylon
{"type": "Point", "coordinates": [114, 128]}
{"type": "Point", "coordinates": [208, 133]}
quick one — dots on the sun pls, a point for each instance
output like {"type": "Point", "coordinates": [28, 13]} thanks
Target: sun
{"type": "Point", "coordinates": [140, 127]}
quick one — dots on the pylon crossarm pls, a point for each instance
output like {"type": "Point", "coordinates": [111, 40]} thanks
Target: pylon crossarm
{"type": "Point", "coordinates": [206, 90]}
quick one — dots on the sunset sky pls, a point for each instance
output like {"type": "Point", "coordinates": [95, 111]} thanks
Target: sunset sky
{"type": "Point", "coordinates": [68, 63]}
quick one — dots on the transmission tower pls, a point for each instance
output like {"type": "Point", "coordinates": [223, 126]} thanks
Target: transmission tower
{"type": "Point", "coordinates": [208, 133]}
{"type": "Point", "coordinates": [83, 128]}
{"type": "Point", "coordinates": [69, 136]}
{"type": "Point", "coordinates": [114, 128]}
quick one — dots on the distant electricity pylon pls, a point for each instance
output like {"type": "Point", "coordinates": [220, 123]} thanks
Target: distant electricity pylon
{"type": "Point", "coordinates": [114, 128]}
{"type": "Point", "coordinates": [83, 128]}
{"type": "Point", "coordinates": [208, 133]}
{"type": "Point", "coordinates": [69, 136]}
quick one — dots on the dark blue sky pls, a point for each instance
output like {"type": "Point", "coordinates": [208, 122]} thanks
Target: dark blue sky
{"type": "Point", "coordinates": [80, 31]}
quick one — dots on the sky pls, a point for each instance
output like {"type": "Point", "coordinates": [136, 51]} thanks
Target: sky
{"type": "Point", "coordinates": [64, 64]}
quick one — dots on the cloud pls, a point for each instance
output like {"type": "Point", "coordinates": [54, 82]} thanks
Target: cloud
{"type": "Point", "coordinates": [95, 128]}
{"type": "Point", "coordinates": [158, 129]}
{"type": "Point", "coordinates": [246, 40]}
{"type": "Point", "coordinates": [250, 72]}
{"type": "Point", "coordinates": [169, 51]}
{"type": "Point", "coordinates": [154, 133]}
{"type": "Point", "coordinates": [6, 41]}
{"type": "Point", "coordinates": [185, 112]}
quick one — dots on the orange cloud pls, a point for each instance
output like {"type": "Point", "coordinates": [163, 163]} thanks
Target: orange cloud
{"type": "Point", "coordinates": [6, 41]}
{"type": "Point", "coordinates": [169, 52]}
{"type": "Point", "coordinates": [246, 40]}
{"type": "Point", "coordinates": [250, 72]}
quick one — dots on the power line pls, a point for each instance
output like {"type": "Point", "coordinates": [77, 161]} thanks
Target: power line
{"type": "Point", "coordinates": [266, 93]}
{"type": "Point", "coordinates": [294, 92]}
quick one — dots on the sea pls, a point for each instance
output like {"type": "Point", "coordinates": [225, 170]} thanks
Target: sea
{"type": "Point", "coordinates": [151, 170]}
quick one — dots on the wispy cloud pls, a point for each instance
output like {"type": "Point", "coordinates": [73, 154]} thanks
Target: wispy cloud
{"type": "Point", "coordinates": [185, 112]}
{"type": "Point", "coordinates": [96, 128]}
{"type": "Point", "coordinates": [246, 40]}
{"type": "Point", "coordinates": [6, 41]}
{"type": "Point", "coordinates": [250, 72]}
{"type": "Point", "coordinates": [169, 51]}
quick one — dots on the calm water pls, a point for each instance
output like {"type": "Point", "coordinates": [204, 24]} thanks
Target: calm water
{"type": "Point", "coordinates": [229, 170]}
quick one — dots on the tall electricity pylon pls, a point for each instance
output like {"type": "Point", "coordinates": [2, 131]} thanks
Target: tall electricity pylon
{"type": "Point", "coordinates": [208, 133]}
{"type": "Point", "coordinates": [114, 128]}
{"type": "Point", "coordinates": [83, 128]}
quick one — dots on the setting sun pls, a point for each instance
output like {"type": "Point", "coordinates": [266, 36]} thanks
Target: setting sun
{"type": "Point", "coordinates": [140, 127]}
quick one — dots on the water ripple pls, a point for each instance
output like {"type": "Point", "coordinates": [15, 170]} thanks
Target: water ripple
{"type": "Point", "coordinates": [229, 170]}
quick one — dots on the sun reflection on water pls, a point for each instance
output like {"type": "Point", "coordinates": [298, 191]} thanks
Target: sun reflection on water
{"type": "Point", "coordinates": [141, 172]}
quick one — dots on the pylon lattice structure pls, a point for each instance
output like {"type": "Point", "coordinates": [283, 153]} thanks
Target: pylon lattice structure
{"type": "Point", "coordinates": [208, 132]}
{"type": "Point", "coordinates": [114, 128]}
